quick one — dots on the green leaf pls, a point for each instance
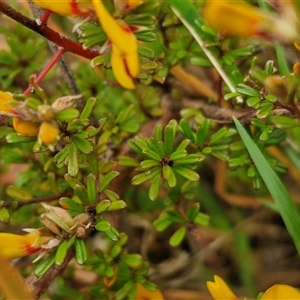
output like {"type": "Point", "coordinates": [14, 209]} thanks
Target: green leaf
{"type": "Point", "coordinates": [80, 251]}
{"type": "Point", "coordinates": [107, 179]}
{"type": "Point", "coordinates": [73, 167]}
{"type": "Point", "coordinates": [134, 261]}
{"type": "Point", "coordinates": [62, 155]}
{"type": "Point", "coordinates": [4, 131]}
{"type": "Point", "coordinates": [4, 215]}
{"type": "Point", "coordinates": [61, 253]}
{"type": "Point", "coordinates": [186, 173]}
{"type": "Point", "coordinates": [73, 181]}
{"type": "Point", "coordinates": [189, 159]}
{"type": "Point", "coordinates": [116, 205]}
{"type": "Point", "coordinates": [45, 265]}
{"type": "Point", "coordinates": [88, 108]}
{"type": "Point", "coordinates": [247, 90]}
{"type": "Point", "coordinates": [156, 146]}
{"type": "Point", "coordinates": [201, 219]}
{"type": "Point", "coordinates": [162, 223]}
{"type": "Point", "coordinates": [82, 144]}
{"type": "Point", "coordinates": [192, 212]}
{"type": "Point", "coordinates": [151, 154]}
{"type": "Point", "coordinates": [17, 138]}
{"type": "Point", "coordinates": [178, 154]}
{"type": "Point", "coordinates": [186, 130]}
{"type": "Point", "coordinates": [113, 234]}
{"type": "Point", "coordinates": [91, 184]}
{"type": "Point", "coordinates": [17, 193]}
{"type": "Point", "coordinates": [67, 115]}
{"type": "Point", "coordinates": [82, 194]}
{"type": "Point", "coordinates": [102, 206]}
{"type": "Point", "coordinates": [286, 206]}
{"type": "Point", "coordinates": [70, 204]}
{"type": "Point", "coordinates": [177, 237]}
{"type": "Point", "coordinates": [146, 52]}
{"type": "Point", "coordinates": [103, 226]}
{"type": "Point", "coordinates": [154, 188]}
{"type": "Point", "coordinates": [140, 178]}
{"type": "Point", "coordinates": [149, 163]}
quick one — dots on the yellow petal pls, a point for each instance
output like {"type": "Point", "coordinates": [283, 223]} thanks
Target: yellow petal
{"type": "Point", "coordinates": [13, 245]}
{"type": "Point", "coordinates": [118, 65]}
{"type": "Point", "coordinates": [133, 64]}
{"type": "Point", "coordinates": [5, 98]}
{"type": "Point", "coordinates": [48, 133]}
{"type": "Point", "coordinates": [119, 33]}
{"type": "Point", "coordinates": [25, 128]}
{"type": "Point", "coordinates": [219, 289]}
{"type": "Point", "coordinates": [143, 293]}
{"type": "Point", "coordinates": [282, 292]}
{"type": "Point", "coordinates": [236, 18]}
{"type": "Point", "coordinates": [70, 8]}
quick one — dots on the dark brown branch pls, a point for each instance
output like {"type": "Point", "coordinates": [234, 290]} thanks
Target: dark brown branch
{"type": "Point", "coordinates": [34, 201]}
{"type": "Point", "coordinates": [48, 33]}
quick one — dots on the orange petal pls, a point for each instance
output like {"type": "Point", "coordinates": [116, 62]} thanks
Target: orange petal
{"type": "Point", "coordinates": [48, 133]}
{"type": "Point", "coordinates": [235, 19]}
{"type": "Point", "coordinates": [118, 65]}
{"type": "Point", "coordinates": [13, 245]}
{"type": "Point", "coordinates": [26, 128]}
{"type": "Point", "coordinates": [70, 8]}
{"type": "Point", "coordinates": [219, 289]}
{"type": "Point", "coordinates": [143, 293]}
{"type": "Point", "coordinates": [6, 98]}
{"type": "Point", "coordinates": [282, 292]}
{"type": "Point", "coordinates": [119, 33]}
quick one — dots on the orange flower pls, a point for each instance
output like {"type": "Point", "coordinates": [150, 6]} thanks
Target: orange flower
{"type": "Point", "coordinates": [26, 128]}
{"type": "Point", "coordinates": [72, 8]}
{"type": "Point", "coordinates": [235, 18]}
{"type": "Point", "coordinates": [125, 59]}
{"type": "Point", "coordinates": [219, 289]}
{"type": "Point", "coordinates": [48, 133]}
{"type": "Point", "coordinates": [5, 100]}
{"type": "Point", "coordinates": [143, 293]}
{"type": "Point", "coordinates": [14, 246]}
{"type": "Point", "coordinates": [281, 292]}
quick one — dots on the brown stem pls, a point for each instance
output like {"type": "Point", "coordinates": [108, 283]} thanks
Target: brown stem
{"type": "Point", "coordinates": [34, 200]}
{"type": "Point", "coordinates": [48, 33]}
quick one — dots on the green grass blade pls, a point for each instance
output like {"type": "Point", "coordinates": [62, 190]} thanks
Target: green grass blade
{"type": "Point", "coordinates": [285, 205]}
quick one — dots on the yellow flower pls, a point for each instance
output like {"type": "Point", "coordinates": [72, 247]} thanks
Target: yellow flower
{"type": "Point", "coordinates": [26, 128]}
{"type": "Point", "coordinates": [5, 99]}
{"type": "Point", "coordinates": [219, 289]}
{"type": "Point", "coordinates": [235, 18]}
{"type": "Point", "coordinates": [133, 3]}
{"type": "Point", "coordinates": [143, 293]}
{"type": "Point", "coordinates": [48, 133]}
{"type": "Point", "coordinates": [14, 246]}
{"type": "Point", "coordinates": [125, 59]}
{"type": "Point", "coordinates": [281, 292]}
{"type": "Point", "coordinates": [72, 8]}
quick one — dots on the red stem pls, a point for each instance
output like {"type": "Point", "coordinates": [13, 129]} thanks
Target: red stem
{"type": "Point", "coordinates": [44, 18]}
{"type": "Point", "coordinates": [48, 33]}
{"type": "Point", "coordinates": [46, 69]}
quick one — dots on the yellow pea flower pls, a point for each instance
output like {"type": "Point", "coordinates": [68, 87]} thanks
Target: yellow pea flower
{"type": "Point", "coordinates": [125, 59]}
{"type": "Point", "coordinates": [235, 18]}
{"type": "Point", "coordinates": [281, 292]}
{"type": "Point", "coordinates": [26, 128]}
{"type": "Point", "coordinates": [134, 3]}
{"type": "Point", "coordinates": [6, 98]}
{"type": "Point", "coordinates": [72, 8]}
{"type": "Point", "coordinates": [219, 289]}
{"type": "Point", "coordinates": [48, 133]}
{"type": "Point", "coordinates": [143, 293]}
{"type": "Point", "coordinates": [14, 246]}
